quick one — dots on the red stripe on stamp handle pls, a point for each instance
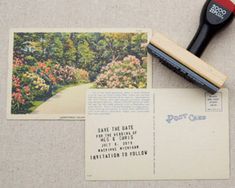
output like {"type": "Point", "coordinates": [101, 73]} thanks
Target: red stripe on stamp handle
{"type": "Point", "coordinates": [226, 4]}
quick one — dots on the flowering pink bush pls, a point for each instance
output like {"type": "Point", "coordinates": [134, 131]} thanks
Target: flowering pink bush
{"type": "Point", "coordinates": [82, 76]}
{"type": "Point", "coordinates": [45, 71]}
{"type": "Point", "coordinates": [20, 95]}
{"type": "Point", "coordinates": [68, 75]}
{"type": "Point", "coordinates": [36, 84]}
{"type": "Point", "coordinates": [128, 73]}
{"type": "Point", "coordinates": [55, 74]}
{"type": "Point", "coordinates": [17, 62]}
{"type": "Point", "coordinates": [38, 81]}
{"type": "Point", "coordinates": [65, 75]}
{"type": "Point", "coordinates": [26, 89]}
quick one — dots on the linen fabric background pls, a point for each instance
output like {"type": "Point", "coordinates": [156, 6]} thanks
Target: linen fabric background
{"type": "Point", "coordinates": [51, 153]}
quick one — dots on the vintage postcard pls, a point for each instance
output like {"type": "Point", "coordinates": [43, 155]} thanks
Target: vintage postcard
{"type": "Point", "coordinates": [50, 70]}
{"type": "Point", "coordinates": [157, 134]}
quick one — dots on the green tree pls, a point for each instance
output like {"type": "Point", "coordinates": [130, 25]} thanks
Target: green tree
{"type": "Point", "coordinates": [85, 55]}
{"type": "Point", "coordinates": [69, 52]}
{"type": "Point", "coordinates": [57, 50]}
{"type": "Point", "coordinates": [138, 45]}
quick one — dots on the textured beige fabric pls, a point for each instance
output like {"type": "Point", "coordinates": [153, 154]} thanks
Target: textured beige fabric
{"type": "Point", "coordinates": [51, 153]}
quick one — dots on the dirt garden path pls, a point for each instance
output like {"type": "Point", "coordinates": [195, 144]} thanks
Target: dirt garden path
{"type": "Point", "coordinates": [68, 101]}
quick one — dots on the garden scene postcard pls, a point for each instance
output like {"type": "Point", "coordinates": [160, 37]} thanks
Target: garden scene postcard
{"type": "Point", "coordinates": [51, 70]}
